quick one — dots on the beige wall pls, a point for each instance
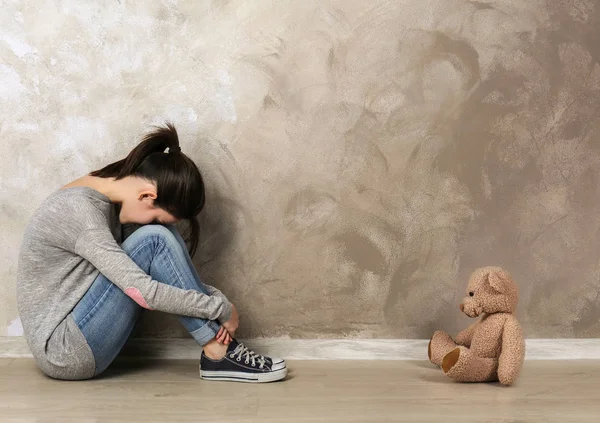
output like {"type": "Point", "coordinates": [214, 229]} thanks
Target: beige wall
{"type": "Point", "coordinates": [363, 157]}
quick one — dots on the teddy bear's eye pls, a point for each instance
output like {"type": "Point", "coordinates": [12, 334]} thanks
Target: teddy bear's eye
{"type": "Point", "coordinates": [471, 293]}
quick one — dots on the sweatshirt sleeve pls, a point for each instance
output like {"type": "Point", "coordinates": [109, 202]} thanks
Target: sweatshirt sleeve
{"type": "Point", "coordinates": [215, 292]}
{"type": "Point", "coordinates": [100, 248]}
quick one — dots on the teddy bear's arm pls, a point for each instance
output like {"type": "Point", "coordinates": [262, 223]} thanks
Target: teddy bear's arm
{"type": "Point", "coordinates": [465, 337]}
{"type": "Point", "coordinates": [513, 352]}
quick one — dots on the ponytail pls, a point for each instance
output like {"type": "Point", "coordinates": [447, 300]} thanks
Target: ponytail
{"type": "Point", "coordinates": [156, 141]}
{"type": "Point", "coordinates": [179, 184]}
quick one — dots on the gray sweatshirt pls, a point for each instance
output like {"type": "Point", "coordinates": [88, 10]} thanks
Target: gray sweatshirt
{"type": "Point", "coordinates": [72, 237]}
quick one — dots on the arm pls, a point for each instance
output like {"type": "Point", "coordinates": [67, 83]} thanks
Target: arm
{"type": "Point", "coordinates": [215, 292]}
{"type": "Point", "coordinates": [101, 250]}
{"type": "Point", "coordinates": [465, 336]}
{"type": "Point", "coordinates": [513, 352]}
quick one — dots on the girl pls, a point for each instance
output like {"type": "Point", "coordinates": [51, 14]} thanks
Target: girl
{"type": "Point", "coordinates": [83, 282]}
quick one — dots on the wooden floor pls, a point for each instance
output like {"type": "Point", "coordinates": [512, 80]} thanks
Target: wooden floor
{"type": "Point", "coordinates": [325, 391]}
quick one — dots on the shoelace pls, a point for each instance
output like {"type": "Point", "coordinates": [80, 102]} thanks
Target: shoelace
{"type": "Point", "coordinates": [242, 351]}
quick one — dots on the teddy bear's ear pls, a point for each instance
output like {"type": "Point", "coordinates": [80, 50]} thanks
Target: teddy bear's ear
{"type": "Point", "coordinates": [500, 281]}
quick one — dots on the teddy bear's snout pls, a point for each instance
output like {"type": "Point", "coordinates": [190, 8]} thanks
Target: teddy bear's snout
{"type": "Point", "coordinates": [470, 307]}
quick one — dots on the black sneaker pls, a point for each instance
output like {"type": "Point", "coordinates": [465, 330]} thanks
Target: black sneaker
{"type": "Point", "coordinates": [242, 365]}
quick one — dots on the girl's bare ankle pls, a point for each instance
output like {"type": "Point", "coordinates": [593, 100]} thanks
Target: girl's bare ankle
{"type": "Point", "coordinates": [214, 350]}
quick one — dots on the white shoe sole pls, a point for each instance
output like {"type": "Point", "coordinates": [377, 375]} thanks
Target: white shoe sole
{"type": "Point", "coordinates": [244, 377]}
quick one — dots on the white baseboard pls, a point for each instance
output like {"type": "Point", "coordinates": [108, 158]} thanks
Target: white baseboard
{"type": "Point", "coordinates": [327, 349]}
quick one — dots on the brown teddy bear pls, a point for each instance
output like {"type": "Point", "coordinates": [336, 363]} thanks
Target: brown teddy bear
{"type": "Point", "coordinates": [493, 348]}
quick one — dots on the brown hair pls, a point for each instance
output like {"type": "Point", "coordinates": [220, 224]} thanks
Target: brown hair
{"type": "Point", "coordinates": [179, 183]}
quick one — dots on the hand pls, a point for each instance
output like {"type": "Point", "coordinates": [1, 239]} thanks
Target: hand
{"type": "Point", "coordinates": [223, 337]}
{"type": "Point", "coordinates": [232, 324]}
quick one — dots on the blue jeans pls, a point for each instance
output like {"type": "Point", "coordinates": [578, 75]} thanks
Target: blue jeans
{"type": "Point", "coordinates": [107, 317]}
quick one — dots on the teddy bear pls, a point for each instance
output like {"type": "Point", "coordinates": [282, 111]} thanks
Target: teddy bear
{"type": "Point", "coordinates": [493, 348]}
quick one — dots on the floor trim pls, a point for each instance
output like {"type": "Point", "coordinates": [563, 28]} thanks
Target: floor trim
{"type": "Point", "coordinates": [327, 349]}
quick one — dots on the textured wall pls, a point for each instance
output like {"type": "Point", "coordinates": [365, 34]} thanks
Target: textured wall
{"type": "Point", "coordinates": [362, 156]}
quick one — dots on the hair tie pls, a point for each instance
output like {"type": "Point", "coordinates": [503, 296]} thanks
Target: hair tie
{"type": "Point", "coordinates": [176, 149]}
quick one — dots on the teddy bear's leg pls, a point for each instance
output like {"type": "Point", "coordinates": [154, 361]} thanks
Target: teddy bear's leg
{"type": "Point", "coordinates": [439, 345]}
{"type": "Point", "coordinates": [464, 366]}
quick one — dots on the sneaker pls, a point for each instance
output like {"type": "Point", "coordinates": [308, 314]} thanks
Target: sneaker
{"type": "Point", "coordinates": [241, 364]}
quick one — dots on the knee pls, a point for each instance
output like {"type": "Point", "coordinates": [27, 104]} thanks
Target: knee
{"type": "Point", "coordinates": [157, 233]}
{"type": "Point", "coordinates": [155, 237]}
